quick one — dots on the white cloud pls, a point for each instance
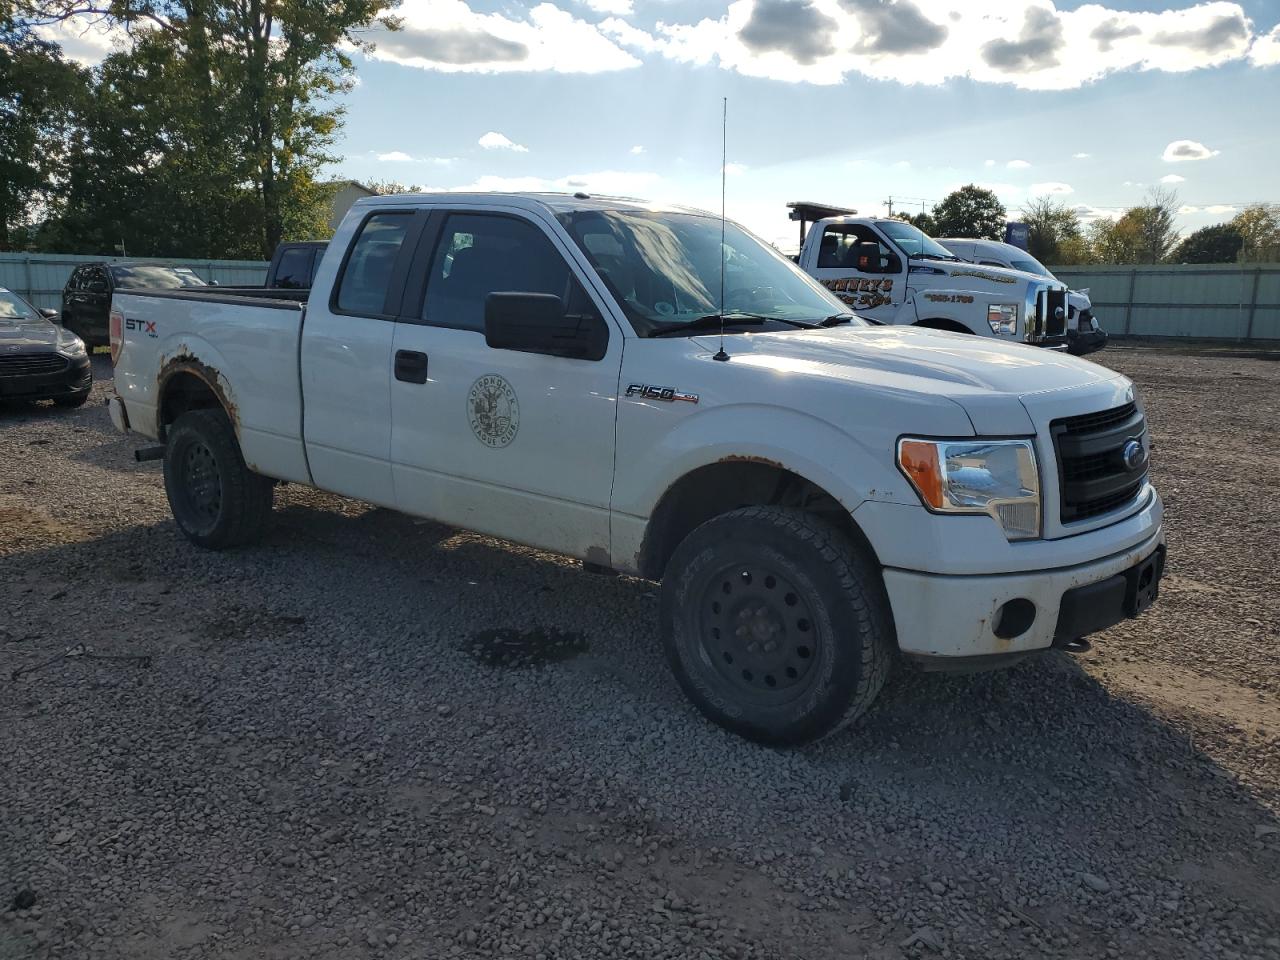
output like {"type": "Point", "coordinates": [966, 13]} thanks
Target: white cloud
{"type": "Point", "coordinates": [1051, 187]}
{"type": "Point", "coordinates": [1172, 178]}
{"type": "Point", "coordinates": [86, 40]}
{"type": "Point", "coordinates": [1182, 150]}
{"type": "Point", "coordinates": [735, 169]}
{"type": "Point", "coordinates": [1017, 164]}
{"type": "Point", "coordinates": [1220, 208]}
{"type": "Point", "coordinates": [620, 8]}
{"type": "Point", "coordinates": [902, 165]}
{"type": "Point", "coordinates": [612, 182]}
{"type": "Point", "coordinates": [399, 156]}
{"type": "Point", "coordinates": [395, 156]}
{"type": "Point", "coordinates": [1081, 156]}
{"type": "Point", "coordinates": [988, 163]}
{"type": "Point", "coordinates": [1028, 43]}
{"type": "Point", "coordinates": [1265, 51]}
{"type": "Point", "coordinates": [449, 36]}
{"type": "Point", "coordinates": [637, 150]}
{"type": "Point", "coordinates": [500, 141]}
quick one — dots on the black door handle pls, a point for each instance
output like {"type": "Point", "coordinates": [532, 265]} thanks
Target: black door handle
{"type": "Point", "coordinates": [411, 366]}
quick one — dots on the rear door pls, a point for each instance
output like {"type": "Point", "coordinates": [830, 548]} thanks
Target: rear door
{"type": "Point", "coordinates": [346, 357]}
{"type": "Point", "coordinates": [510, 443]}
{"type": "Point", "coordinates": [872, 286]}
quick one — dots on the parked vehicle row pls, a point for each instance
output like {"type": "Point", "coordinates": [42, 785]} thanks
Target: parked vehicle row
{"type": "Point", "coordinates": [38, 359]}
{"type": "Point", "coordinates": [658, 392]}
{"type": "Point", "coordinates": [892, 272]}
{"type": "Point", "coordinates": [86, 298]}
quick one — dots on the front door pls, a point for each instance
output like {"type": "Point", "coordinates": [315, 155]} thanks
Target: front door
{"type": "Point", "coordinates": [872, 286]}
{"type": "Point", "coordinates": [509, 443]}
{"type": "Point", "coordinates": [346, 361]}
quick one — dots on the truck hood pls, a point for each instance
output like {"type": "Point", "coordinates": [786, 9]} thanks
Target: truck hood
{"type": "Point", "coordinates": [986, 377]}
{"type": "Point", "coordinates": [32, 335]}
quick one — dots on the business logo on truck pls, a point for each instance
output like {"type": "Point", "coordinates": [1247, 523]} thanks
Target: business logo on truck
{"type": "Point", "coordinates": [870, 293]}
{"type": "Point", "coordinates": [493, 411]}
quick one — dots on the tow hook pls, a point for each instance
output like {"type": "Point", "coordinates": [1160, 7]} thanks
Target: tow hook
{"type": "Point", "coordinates": [143, 454]}
{"type": "Point", "coordinates": [1077, 646]}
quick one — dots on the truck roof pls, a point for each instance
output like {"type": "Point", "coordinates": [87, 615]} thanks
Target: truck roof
{"type": "Point", "coordinates": [547, 200]}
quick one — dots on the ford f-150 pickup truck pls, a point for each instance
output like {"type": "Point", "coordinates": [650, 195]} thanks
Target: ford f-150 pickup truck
{"type": "Point", "coordinates": [890, 271]}
{"type": "Point", "coordinates": [818, 496]}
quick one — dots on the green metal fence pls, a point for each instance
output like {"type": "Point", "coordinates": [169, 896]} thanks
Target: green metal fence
{"type": "Point", "coordinates": [40, 277]}
{"type": "Point", "coordinates": [1211, 301]}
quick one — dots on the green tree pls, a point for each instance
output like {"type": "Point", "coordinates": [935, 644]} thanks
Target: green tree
{"type": "Point", "coordinates": [970, 212]}
{"type": "Point", "coordinates": [921, 221]}
{"type": "Point", "coordinates": [252, 87]}
{"type": "Point", "coordinates": [386, 188]}
{"type": "Point", "coordinates": [1219, 243]}
{"type": "Point", "coordinates": [1053, 230]}
{"type": "Point", "coordinates": [1143, 234]}
{"type": "Point", "coordinates": [1259, 228]}
{"type": "Point", "coordinates": [41, 96]}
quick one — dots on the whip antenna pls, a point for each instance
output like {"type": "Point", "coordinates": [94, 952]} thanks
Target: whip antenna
{"type": "Point", "coordinates": [724, 163]}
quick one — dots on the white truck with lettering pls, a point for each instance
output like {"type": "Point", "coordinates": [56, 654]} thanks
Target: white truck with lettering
{"type": "Point", "coordinates": [820, 498]}
{"type": "Point", "coordinates": [891, 272]}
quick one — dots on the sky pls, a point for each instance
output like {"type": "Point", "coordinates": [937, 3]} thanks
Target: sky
{"type": "Point", "coordinates": [848, 102]}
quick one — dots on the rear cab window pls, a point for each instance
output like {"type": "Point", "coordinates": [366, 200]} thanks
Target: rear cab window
{"type": "Point", "coordinates": [365, 282]}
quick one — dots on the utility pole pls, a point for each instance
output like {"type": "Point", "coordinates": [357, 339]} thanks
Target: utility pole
{"type": "Point", "coordinates": [889, 204]}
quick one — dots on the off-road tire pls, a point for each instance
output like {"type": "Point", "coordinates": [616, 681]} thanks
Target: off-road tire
{"type": "Point", "coordinates": [239, 511]}
{"type": "Point", "coordinates": [758, 575]}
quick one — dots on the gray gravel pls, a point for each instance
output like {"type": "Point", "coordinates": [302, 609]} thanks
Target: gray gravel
{"type": "Point", "coordinates": [377, 737]}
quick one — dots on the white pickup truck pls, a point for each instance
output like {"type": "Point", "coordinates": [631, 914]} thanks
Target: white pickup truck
{"type": "Point", "coordinates": [819, 497]}
{"type": "Point", "coordinates": [892, 272]}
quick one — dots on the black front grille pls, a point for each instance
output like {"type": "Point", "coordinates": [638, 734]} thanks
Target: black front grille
{"type": "Point", "coordinates": [1055, 313]}
{"type": "Point", "coordinates": [31, 364]}
{"type": "Point", "coordinates": [1093, 477]}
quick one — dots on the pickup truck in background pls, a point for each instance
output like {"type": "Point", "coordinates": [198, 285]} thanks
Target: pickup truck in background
{"type": "Point", "coordinates": [86, 297]}
{"type": "Point", "coordinates": [293, 265]}
{"type": "Point", "coordinates": [818, 496]}
{"type": "Point", "coordinates": [1084, 336]}
{"type": "Point", "coordinates": [889, 271]}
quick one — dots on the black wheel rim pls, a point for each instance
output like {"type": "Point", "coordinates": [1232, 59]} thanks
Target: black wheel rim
{"type": "Point", "coordinates": [758, 634]}
{"type": "Point", "coordinates": [200, 483]}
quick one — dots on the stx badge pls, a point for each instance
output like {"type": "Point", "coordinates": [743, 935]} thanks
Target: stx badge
{"type": "Point", "coordinates": [141, 326]}
{"type": "Point", "coordinates": [651, 392]}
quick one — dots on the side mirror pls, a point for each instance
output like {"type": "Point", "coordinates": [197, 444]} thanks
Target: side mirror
{"type": "Point", "coordinates": [213, 283]}
{"type": "Point", "coordinates": [867, 256]}
{"type": "Point", "coordinates": [538, 323]}
{"type": "Point", "coordinates": [49, 313]}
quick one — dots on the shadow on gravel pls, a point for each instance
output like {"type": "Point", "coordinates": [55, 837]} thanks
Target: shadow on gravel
{"type": "Point", "coordinates": [1037, 764]}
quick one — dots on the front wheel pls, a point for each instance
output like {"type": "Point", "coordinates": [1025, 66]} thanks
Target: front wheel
{"type": "Point", "coordinates": [776, 626]}
{"type": "Point", "coordinates": [216, 499]}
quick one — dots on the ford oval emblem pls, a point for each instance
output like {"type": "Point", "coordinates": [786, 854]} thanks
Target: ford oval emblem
{"type": "Point", "coordinates": [1133, 455]}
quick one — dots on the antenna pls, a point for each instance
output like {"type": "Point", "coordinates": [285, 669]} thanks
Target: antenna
{"type": "Point", "coordinates": [724, 163]}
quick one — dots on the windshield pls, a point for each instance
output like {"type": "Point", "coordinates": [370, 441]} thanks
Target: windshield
{"type": "Point", "coordinates": [913, 241]}
{"type": "Point", "coordinates": [664, 269]}
{"type": "Point", "coordinates": [155, 275]}
{"type": "Point", "coordinates": [13, 307]}
{"type": "Point", "coordinates": [1030, 264]}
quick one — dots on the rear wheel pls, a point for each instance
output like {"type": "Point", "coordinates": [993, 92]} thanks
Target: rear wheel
{"type": "Point", "coordinates": [216, 499]}
{"type": "Point", "coordinates": [776, 626]}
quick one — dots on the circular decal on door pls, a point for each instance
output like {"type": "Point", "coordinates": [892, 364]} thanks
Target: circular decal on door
{"type": "Point", "coordinates": [493, 411]}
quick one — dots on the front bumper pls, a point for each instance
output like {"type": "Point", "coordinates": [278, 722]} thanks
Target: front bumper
{"type": "Point", "coordinates": [951, 621]}
{"type": "Point", "coordinates": [1089, 341]}
{"type": "Point", "coordinates": [75, 378]}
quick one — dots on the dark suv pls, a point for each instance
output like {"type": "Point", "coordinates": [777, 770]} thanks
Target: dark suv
{"type": "Point", "coordinates": [86, 299]}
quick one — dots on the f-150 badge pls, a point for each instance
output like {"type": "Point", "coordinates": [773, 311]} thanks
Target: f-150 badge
{"type": "Point", "coordinates": [651, 392]}
{"type": "Point", "coordinates": [493, 411]}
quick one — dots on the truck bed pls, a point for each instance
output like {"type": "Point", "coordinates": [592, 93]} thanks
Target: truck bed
{"type": "Point", "coordinates": [199, 332]}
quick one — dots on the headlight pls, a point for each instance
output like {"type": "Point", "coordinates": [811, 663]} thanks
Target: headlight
{"type": "Point", "coordinates": [1003, 318]}
{"type": "Point", "coordinates": [995, 477]}
{"type": "Point", "coordinates": [70, 344]}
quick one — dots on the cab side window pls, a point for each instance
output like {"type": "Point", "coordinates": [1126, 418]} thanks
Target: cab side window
{"type": "Point", "coordinates": [480, 254]}
{"type": "Point", "coordinates": [295, 269]}
{"type": "Point", "coordinates": [366, 276]}
{"type": "Point", "coordinates": [839, 250]}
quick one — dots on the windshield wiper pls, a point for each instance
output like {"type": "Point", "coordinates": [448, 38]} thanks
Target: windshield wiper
{"type": "Point", "coordinates": [713, 321]}
{"type": "Point", "coordinates": [836, 319]}
{"type": "Point", "coordinates": [932, 256]}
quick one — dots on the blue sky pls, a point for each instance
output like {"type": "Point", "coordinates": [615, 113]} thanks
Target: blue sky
{"type": "Point", "coordinates": [844, 101]}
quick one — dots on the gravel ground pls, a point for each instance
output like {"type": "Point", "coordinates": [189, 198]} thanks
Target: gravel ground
{"type": "Point", "coordinates": [377, 737]}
